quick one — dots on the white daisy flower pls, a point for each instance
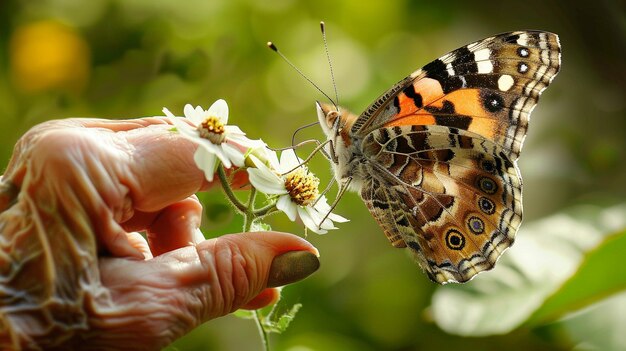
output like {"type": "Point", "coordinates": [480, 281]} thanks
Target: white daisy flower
{"type": "Point", "coordinates": [216, 139]}
{"type": "Point", "coordinates": [297, 191]}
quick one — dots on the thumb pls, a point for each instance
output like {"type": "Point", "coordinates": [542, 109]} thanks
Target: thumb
{"type": "Point", "coordinates": [240, 266]}
{"type": "Point", "coordinates": [193, 284]}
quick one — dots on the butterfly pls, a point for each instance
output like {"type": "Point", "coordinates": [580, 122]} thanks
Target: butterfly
{"type": "Point", "coordinates": [434, 157]}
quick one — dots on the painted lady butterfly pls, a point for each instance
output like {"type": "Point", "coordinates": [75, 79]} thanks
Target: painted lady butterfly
{"type": "Point", "coordinates": [434, 158]}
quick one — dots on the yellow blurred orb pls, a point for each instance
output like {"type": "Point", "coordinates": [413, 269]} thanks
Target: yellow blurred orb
{"type": "Point", "coordinates": [48, 55]}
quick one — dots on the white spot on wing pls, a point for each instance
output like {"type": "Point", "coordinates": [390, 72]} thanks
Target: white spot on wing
{"type": "Point", "coordinates": [484, 66]}
{"type": "Point", "coordinates": [543, 41]}
{"type": "Point", "coordinates": [523, 68]}
{"type": "Point", "coordinates": [416, 73]}
{"type": "Point", "coordinates": [463, 81]}
{"type": "Point", "coordinates": [483, 61]}
{"type": "Point", "coordinates": [447, 57]}
{"type": "Point", "coordinates": [450, 69]}
{"type": "Point", "coordinates": [505, 82]}
{"type": "Point", "coordinates": [482, 55]}
{"type": "Point", "coordinates": [523, 39]}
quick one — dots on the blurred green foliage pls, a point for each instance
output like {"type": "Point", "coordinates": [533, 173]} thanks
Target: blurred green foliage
{"type": "Point", "coordinates": [126, 59]}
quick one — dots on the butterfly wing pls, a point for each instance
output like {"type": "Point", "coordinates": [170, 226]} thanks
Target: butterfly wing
{"type": "Point", "coordinates": [451, 196]}
{"type": "Point", "coordinates": [442, 145]}
{"type": "Point", "coordinates": [488, 87]}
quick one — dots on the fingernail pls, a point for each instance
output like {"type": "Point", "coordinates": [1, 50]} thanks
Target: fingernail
{"type": "Point", "coordinates": [291, 267]}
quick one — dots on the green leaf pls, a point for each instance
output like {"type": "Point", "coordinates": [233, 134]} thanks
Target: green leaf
{"type": "Point", "coordinates": [601, 274]}
{"type": "Point", "coordinates": [546, 254]}
{"type": "Point", "coordinates": [258, 226]}
{"type": "Point", "coordinates": [278, 323]}
{"type": "Point", "coordinates": [597, 327]}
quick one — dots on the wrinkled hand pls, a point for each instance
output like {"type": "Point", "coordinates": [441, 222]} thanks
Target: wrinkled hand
{"type": "Point", "coordinates": [74, 274]}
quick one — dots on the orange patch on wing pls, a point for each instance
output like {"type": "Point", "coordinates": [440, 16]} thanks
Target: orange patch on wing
{"type": "Point", "coordinates": [466, 102]}
{"type": "Point", "coordinates": [430, 90]}
{"type": "Point", "coordinates": [421, 118]}
{"type": "Point", "coordinates": [485, 127]}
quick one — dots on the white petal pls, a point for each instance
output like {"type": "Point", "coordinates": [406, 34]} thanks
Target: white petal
{"type": "Point", "coordinates": [266, 182]}
{"type": "Point", "coordinates": [219, 109]}
{"type": "Point", "coordinates": [208, 145]}
{"type": "Point", "coordinates": [272, 157]}
{"type": "Point", "coordinates": [264, 155]}
{"type": "Point", "coordinates": [337, 218]}
{"type": "Point", "coordinates": [322, 207]}
{"type": "Point", "coordinates": [191, 115]}
{"type": "Point", "coordinates": [168, 113]}
{"type": "Point", "coordinates": [241, 141]}
{"type": "Point", "coordinates": [285, 204]}
{"type": "Point", "coordinates": [195, 114]}
{"type": "Point", "coordinates": [216, 150]}
{"type": "Point", "coordinates": [186, 130]}
{"type": "Point", "coordinates": [319, 216]}
{"type": "Point", "coordinates": [260, 150]}
{"type": "Point", "coordinates": [308, 221]}
{"type": "Point", "coordinates": [234, 130]}
{"type": "Point", "coordinates": [234, 154]}
{"type": "Point", "coordinates": [262, 166]}
{"type": "Point", "coordinates": [221, 154]}
{"type": "Point", "coordinates": [206, 161]}
{"type": "Point", "coordinates": [288, 160]}
{"type": "Point", "coordinates": [198, 110]}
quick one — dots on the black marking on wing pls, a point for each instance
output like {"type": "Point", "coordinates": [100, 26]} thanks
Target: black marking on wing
{"type": "Point", "coordinates": [464, 61]}
{"type": "Point", "coordinates": [417, 98]}
{"type": "Point", "coordinates": [445, 116]}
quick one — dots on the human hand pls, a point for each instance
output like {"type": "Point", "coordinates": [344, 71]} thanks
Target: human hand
{"type": "Point", "coordinates": [74, 274]}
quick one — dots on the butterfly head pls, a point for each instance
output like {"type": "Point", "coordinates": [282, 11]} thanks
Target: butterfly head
{"type": "Point", "coordinates": [334, 121]}
{"type": "Point", "coordinates": [328, 117]}
{"type": "Point", "coordinates": [343, 147]}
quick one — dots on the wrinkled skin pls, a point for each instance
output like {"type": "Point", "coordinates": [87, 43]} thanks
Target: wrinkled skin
{"type": "Point", "coordinates": [74, 274]}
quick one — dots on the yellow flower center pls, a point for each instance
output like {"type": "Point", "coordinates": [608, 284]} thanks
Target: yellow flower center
{"type": "Point", "coordinates": [302, 186]}
{"type": "Point", "coordinates": [212, 129]}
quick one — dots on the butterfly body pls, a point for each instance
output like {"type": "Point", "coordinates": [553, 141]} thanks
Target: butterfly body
{"type": "Point", "coordinates": [434, 157]}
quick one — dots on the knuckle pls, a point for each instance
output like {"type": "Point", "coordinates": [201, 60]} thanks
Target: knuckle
{"type": "Point", "coordinates": [55, 148]}
{"type": "Point", "coordinates": [234, 273]}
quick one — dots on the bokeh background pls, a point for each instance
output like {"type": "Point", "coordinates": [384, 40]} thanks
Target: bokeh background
{"type": "Point", "coordinates": [130, 58]}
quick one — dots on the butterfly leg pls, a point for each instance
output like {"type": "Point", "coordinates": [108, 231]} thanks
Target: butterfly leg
{"type": "Point", "coordinates": [318, 148]}
{"type": "Point", "coordinates": [342, 189]}
{"type": "Point", "coordinates": [326, 190]}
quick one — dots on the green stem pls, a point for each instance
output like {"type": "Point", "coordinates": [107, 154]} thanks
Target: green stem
{"type": "Point", "coordinates": [264, 335]}
{"type": "Point", "coordinates": [221, 173]}
{"type": "Point", "coordinates": [248, 215]}
{"type": "Point", "coordinates": [264, 211]}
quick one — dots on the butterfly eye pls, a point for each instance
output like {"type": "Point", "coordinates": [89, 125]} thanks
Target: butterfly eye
{"type": "Point", "coordinates": [455, 240]}
{"type": "Point", "coordinates": [332, 119]}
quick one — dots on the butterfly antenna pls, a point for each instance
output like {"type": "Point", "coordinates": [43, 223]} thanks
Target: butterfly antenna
{"type": "Point", "coordinates": [275, 49]}
{"type": "Point", "coordinates": [293, 136]}
{"type": "Point", "coordinates": [330, 64]}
